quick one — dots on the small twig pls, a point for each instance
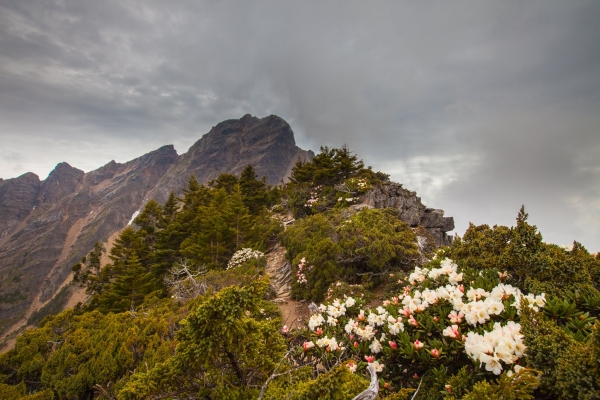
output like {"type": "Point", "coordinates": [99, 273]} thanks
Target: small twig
{"type": "Point", "coordinates": [273, 376]}
{"type": "Point", "coordinates": [418, 387]}
{"type": "Point", "coordinates": [373, 273]}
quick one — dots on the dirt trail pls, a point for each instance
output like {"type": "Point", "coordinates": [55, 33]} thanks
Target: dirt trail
{"type": "Point", "coordinates": [294, 313]}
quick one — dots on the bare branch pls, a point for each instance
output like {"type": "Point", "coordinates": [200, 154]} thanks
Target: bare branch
{"type": "Point", "coordinates": [182, 280]}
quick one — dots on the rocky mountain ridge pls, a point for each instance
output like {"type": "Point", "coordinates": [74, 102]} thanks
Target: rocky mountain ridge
{"type": "Point", "coordinates": [47, 226]}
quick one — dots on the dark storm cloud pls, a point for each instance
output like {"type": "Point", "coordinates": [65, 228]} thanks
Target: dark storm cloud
{"type": "Point", "coordinates": [480, 107]}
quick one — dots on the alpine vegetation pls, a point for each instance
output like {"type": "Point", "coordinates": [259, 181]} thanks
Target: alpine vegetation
{"type": "Point", "coordinates": [186, 307]}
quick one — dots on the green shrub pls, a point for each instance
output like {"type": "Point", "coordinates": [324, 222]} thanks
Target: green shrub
{"type": "Point", "coordinates": [354, 246]}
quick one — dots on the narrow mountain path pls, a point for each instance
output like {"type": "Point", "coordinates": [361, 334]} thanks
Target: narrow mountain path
{"type": "Point", "coordinates": [294, 313]}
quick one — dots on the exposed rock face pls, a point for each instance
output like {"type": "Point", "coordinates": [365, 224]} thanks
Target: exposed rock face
{"type": "Point", "coordinates": [411, 210]}
{"type": "Point", "coordinates": [72, 211]}
{"type": "Point", "coordinates": [61, 182]}
{"type": "Point", "coordinates": [17, 199]}
{"type": "Point", "coordinates": [268, 144]}
{"type": "Point", "coordinates": [45, 227]}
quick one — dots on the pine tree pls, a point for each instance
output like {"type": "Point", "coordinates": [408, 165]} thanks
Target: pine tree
{"type": "Point", "coordinates": [301, 172]}
{"type": "Point", "coordinates": [170, 209]}
{"type": "Point", "coordinates": [213, 241]}
{"type": "Point", "coordinates": [224, 181]}
{"type": "Point", "coordinates": [347, 164]}
{"type": "Point", "coordinates": [149, 221]}
{"type": "Point", "coordinates": [128, 290]}
{"type": "Point", "coordinates": [254, 191]}
{"type": "Point", "coordinates": [238, 217]}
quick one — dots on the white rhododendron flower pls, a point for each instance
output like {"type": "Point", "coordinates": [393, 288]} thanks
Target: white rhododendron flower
{"type": "Point", "coordinates": [243, 255]}
{"type": "Point", "coordinates": [503, 343]}
{"type": "Point", "coordinates": [375, 346]}
{"type": "Point", "coordinates": [350, 302]}
{"type": "Point", "coordinates": [315, 320]}
{"type": "Point", "coordinates": [378, 367]}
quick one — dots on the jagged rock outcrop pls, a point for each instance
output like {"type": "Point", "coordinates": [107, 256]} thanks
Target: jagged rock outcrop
{"type": "Point", "coordinates": [411, 210]}
{"type": "Point", "coordinates": [47, 226]}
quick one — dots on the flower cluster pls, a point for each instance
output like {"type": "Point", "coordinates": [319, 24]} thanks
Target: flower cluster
{"type": "Point", "coordinates": [503, 343]}
{"type": "Point", "coordinates": [435, 301]}
{"type": "Point", "coordinates": [361, 183]}
{"type": "Point", "coordinates": [314, 196]}
{"type": "Point", "coordinates": [329, 344]}
{"type": "Point", "coordinates": [348, 199]}
{"type": "Point", "coordinates": [479, 305]}
{"type": "Point", "coordinates": [300, 275]}
{"type": "Point", "coordinates": [243, 255]}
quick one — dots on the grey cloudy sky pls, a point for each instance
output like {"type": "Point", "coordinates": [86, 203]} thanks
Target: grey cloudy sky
{"type": "Point", "coordinates": [478, 106]}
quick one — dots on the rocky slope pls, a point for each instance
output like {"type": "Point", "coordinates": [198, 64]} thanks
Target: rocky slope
{"type": "Point", "coordinates": [47, 226]}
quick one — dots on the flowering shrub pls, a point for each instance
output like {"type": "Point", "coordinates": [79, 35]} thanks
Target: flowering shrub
{"type": "Point", "coordinates": [444, 319]}
{"type": "Point", "coordinates": [244, 255]}
{"type": "Point", "coordinates": [300, 273]}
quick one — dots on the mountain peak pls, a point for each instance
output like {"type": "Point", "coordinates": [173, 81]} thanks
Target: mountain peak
{"type": "Point", "coordinates": [62, 181]}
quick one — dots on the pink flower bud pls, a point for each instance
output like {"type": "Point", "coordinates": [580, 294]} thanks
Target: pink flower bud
{"type": "Point", "coordinates": [355, 344]}
{"type": "Point", "coordinates": [286, 329]}
{"type": "Point", "coordinates": [370, 359]}
{"type": "Point", "coordinates": [461, 288]}
{"type": "Point", "coordinates": [413, 321]}
{"type": "Point", "coordinates": [435, 353]}
{"type": "Point", "coordinates": [393, 345]}
{"type": "Point", "coordinates": [319, 331]}
{"type": "Point", "coordinates": [435, 319]}
{"type": "Point", "coordinates": [418, 345]}
{"type": "Point", "coordinates": [308, 345]}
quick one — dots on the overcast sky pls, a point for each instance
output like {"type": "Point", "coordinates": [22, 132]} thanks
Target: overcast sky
{"type": "Point", "coordinates": [478, 106]}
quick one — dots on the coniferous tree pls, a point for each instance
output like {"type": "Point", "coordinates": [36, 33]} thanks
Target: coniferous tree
{"type": "Point", "coordinates": [254, 191]}
{"type": "Point", "coordinates": [149, 221]}
{"type": "Point", "coordinates": [225, 181]}
{"type": "Point", "coordinates": [347, 164]}
{"type": "Point", "coordinates": [128, 290]}
{"type": "Point", "coordinates": [238, 216]}
{"type": "Point", "coordinates": [170, 209]}
{"type": "Point", "coordinates": [210, 244]}
{"type": "Point", "coordinates": [301, 172]}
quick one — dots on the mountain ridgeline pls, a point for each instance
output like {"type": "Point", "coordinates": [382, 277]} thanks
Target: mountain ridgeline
{"type": "Point", "coordinates": [47, 226]}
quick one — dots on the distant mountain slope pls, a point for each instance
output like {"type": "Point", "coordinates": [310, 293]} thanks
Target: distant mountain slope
{"type": "Point", "coordinates": [47, 226]}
